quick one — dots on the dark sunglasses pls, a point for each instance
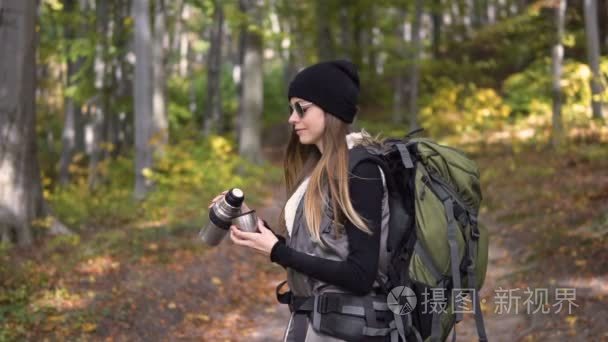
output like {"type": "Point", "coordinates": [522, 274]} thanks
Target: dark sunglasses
{"type": "Point", "coordinates": [300, 110]}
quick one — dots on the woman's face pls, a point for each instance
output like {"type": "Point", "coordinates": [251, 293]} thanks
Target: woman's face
{"type": "Point", "coordinates": [310, 126]}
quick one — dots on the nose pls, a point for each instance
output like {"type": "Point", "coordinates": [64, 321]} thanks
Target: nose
{"type": "Point", "coordinates": [293, 117]}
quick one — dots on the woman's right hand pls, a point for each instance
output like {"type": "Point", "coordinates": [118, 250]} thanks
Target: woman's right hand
{"type": "Point", "coordinates": [244, 207]}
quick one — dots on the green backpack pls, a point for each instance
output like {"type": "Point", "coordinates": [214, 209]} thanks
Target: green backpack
{"type": "Point", "coordinates": [434, 241]}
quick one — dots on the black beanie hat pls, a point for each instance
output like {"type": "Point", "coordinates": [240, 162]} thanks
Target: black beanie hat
{"type": "Point", "coordinates": [331, 85]}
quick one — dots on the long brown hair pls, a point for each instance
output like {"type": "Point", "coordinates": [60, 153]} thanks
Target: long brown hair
{"type": "Point", "coordinates": [327, 171]}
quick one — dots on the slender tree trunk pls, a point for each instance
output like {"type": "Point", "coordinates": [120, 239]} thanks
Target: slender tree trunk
{"type": "Point", "coordinates": [72, 109]}
{"type": "Point", "coordinates": [94, 128]}
{"type": "Point", "coordinates": [238, 72]}
{"type": "Point", "coordinates": [399, 79]}
{"type": "Point", "coordinates": [142, 89]}
{"type": "Point", "coordinates": [252, 93]}
{"type": "Point", "coordinates": [357, 35]}
{"type": "Point", "coordinates": [110, 84]}
{"type": "Point", "coordinates": [465, 11]}
{"type": "Point", "coordinates": [213, 110]}
{"type": "Point", "coordinates": [20, 188]}
{"type": "Point", "coordinates": [184, 45]}
{"type": "Point", "coordinates": [325, 44]}
{"type": "Point", "coordinates": [160, 122]}
{"type": "Point", "coordinates": [593, 53]}
{"type": "Point", "coordinates": [122, 76]}
{"type": "Point", "coordinates": [477, 14]}
{"type": "Point", "coordinates": [371, 50]}
{"type": "Point", "coordinates": [98, 120]}
{"type": "Point", "coordinates": [192, 103]}
{"type": "Point", "coordinates": [287, 25]}
{"type": "Point", "coordinates": [484, 11]}
{"type": "Point", "coordinates": [558, 57]}
{"type": "Point", "coordinates": [492, 11]}
{"type": "Point", "coordinates": [437, 18]}
{"type": "Point", "coordinates": [177, 32]}
{"type": "Point", "coordinates": [346, 32]}
{"type": "Point", "coordinates": [415, 68]}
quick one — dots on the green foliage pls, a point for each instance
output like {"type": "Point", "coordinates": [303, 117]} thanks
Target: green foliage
{"type": "Point", "coordinates": [497, 51]}
{"type": "Point", "coordinates": [275, 95]}
{"type": "Point", "coordinates": [529, 92]}
{"type": "Point", "coordinates": [193, 171]}
{"type": "Point", "coordinates": [110, 203]}
{"type": "Point", "coordinates": [456, 108]}
{"type": "Point", "coordinates": [180, 90]}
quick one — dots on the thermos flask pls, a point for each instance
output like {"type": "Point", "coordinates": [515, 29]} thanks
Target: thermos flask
{"type": "Point", "coordinates": [221, 215]}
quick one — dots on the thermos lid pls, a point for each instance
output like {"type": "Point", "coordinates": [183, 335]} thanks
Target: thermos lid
{"type": "Point", "coordinates": [235, 197]}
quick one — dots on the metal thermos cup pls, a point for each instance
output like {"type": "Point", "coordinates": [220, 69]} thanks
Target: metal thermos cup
{"type": "Point", "coordinates": [247, 222]}
{"type": "Point", "coordinates": [221, 215]}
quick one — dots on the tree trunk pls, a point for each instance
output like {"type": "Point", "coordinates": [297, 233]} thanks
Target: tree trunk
{"type": "Point", "coordinates": [160, 122]}
{"type": "Point", "coordinates": [369, 44]}
{"type": "Point", "coordinates": [346, 32]}
{"type": "Point", "coordinates": [100, 113]}
{"type": "Point", "coordinates": [192, 98]}
{"type": "Point", "coordinates": [176, 33]}
{"type": "Point", "coordinates": [184, 46]}
{"type": "Point", "coordinates": [142, 90]}
{"type": "Point", "coordinates": [238, 70]}
{"type": "Point", "coordinates": [593, 54]}
{"type": "Point", "coordinates": [20, 188]}
{"type": "Point", "coordinates": [477, 14]}
{"type": "Point", "coordinates": [72, 112]}
{"type": "Point", "coordinates": [357, 35]}
{"type": "Point", "coordinates": [415, 68]}
{"type": "Point", "coordinates": [484, 11]}
{"type": "Point", "coordinates": [325, 44]}
{"type": "Point", "coordinates": [287, 25]}
{"type": "Point", "coordinates": [437, 18]}
{"type": "Point", "coordinates": [123, 79]}
{"type": "Point", "coordinates": [399, 79]}
{"type": "Point", "coordinates": [213, 110]}
{"type": "Point", "coordinates": [558, 57]}
{"type": "Point", "coordinates": [252, 93]}
{"type": "Point", "coordinates": [492, 11]}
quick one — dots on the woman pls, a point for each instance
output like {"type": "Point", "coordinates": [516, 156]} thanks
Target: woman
{"type": "Point", "coordinates": [322, 252]}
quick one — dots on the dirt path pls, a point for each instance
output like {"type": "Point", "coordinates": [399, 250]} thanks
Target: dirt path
{"type": "Point", "coordinates": [225, 293]}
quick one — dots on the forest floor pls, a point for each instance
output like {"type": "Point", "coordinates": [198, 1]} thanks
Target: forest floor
{"type": "Point", "coordinates": [546, 215]}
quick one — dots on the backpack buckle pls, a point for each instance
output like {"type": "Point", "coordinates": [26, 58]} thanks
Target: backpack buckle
{"type": "Point", "coordinates": [327, 304]}
{"type": "Point", "coordinates": [475, 232]}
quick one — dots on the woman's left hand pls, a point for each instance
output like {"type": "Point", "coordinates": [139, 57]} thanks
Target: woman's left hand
{"type": "Point", "coordinates": [262, 241]}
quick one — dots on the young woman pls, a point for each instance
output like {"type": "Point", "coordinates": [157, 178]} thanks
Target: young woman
{"type": "Point", "coordinates": [333, 261]}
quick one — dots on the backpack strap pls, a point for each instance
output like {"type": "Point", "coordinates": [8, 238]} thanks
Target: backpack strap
{"type": "Point", "coordinates": [472, 282]}
{"type": "Point", "coordinates": [448, 202]}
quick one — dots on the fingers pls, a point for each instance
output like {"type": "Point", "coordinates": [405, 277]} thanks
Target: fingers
{"type": "Point", "coordinates": [237, 239]}
{"type": "Point", "coordinates": [261, 226]}
{"type": "Point", "coordinates": [245, 235]}
{"type": "Point", "coordinates": [216, 198]}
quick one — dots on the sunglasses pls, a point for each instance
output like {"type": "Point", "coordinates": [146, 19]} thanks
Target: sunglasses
{"type": "Point", "coordinates": [299, 108]}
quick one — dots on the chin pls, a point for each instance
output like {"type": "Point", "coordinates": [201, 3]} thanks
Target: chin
{"type": "Point", "coordinates": [305, 141]}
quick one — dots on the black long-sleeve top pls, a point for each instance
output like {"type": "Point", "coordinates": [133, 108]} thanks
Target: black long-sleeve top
{"type": "Point", "coordinates": [358, 272]}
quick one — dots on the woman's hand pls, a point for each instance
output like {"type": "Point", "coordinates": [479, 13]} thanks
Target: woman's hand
{"type": "Point", "coordinates": [261, 242]}
{"type": "Point", "coordinates": [244, 207]}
